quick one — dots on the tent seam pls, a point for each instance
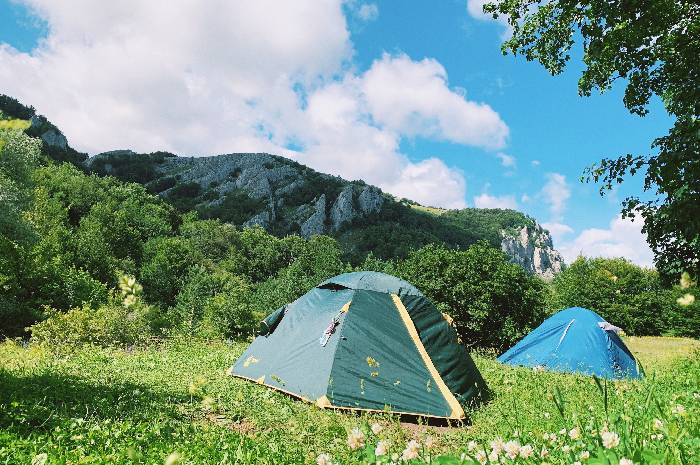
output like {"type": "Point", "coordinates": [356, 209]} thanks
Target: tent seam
{"type": "Point", "coordinates": [340, 336]}
{"type": "Point", "coordinates": [457, 410]}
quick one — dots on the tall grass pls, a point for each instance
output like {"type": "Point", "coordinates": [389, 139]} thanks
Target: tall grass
{"type": "Point", "coordinates": [173, 402]}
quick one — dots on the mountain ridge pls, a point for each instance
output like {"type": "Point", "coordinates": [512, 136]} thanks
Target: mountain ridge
{"type": "Point", "coordinates": [286, 197]}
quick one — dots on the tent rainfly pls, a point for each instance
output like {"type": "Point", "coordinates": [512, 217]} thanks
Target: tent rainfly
{"type": "Point", "coordinates": [365, 341]}
{"type": "Point", "coordinates": [575, 340]}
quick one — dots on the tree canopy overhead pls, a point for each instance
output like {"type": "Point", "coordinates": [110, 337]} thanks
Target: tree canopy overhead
{"type": "Point", "coordinates": [654, 47]}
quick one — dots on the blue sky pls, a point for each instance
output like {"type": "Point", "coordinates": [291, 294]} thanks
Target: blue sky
{"type": "Point", "coordinates": [414, 96]}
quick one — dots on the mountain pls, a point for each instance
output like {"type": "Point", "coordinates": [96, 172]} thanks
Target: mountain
{"type": "Point", "coordinates": [285, 197]}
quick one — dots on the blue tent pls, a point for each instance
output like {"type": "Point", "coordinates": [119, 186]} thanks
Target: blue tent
{"type": "Point", "coordinates": [575, 340]}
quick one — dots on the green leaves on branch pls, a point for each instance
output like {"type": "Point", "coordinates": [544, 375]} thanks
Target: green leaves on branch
{"type": "Point", "coordinates": [654, 47]}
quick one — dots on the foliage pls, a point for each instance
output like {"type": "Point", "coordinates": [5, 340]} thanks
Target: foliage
{"type": "Point", "coordinates": [653, 47]}
{"type": "Point", "coordinates": [18, 155]}
{"type": "Point", "coordinates": [14, 109]}
{"type": "Point", "coordinates": [312, 261]}
{"type": "Point", "coordinates": [167, 261]}
{"type": "Point", "coordinates": [623, 293]}
{"type": "Point", "coordinates": [214, 304]}
{"type": "Point", "coordinates": [236, 208]}
{"type": "Point", "coordinates": [492, 302]}
{"type": "Point", "coordinates": [400, 228]}
{"type": "Point", "coordinates": [129, 166]}
{"type": "Point", "coordinates": [141, 406]}
{"type": "Point", "coordinates": [683, 316]}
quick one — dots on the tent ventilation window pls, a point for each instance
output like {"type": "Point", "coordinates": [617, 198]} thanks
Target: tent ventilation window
{"type": "Point", "coordinates": [333, 287]}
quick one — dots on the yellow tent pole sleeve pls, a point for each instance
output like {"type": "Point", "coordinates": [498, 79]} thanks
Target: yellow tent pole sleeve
{"type": "Point", "coordinates": [457, 410]}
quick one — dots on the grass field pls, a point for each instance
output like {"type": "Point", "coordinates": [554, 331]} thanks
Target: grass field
{"type": "Point", "coordinates": [172, 403]}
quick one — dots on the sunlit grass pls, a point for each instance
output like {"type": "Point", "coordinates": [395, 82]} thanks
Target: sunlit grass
{"type": "Point", "coordinates": [140, 406]}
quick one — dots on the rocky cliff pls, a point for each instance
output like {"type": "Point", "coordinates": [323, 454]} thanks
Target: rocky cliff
{"type": "Point", "coordinates": [531, 247]}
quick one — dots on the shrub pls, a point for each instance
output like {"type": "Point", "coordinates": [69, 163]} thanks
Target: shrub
{"type": "Point", "coordinates": [112, 324]}
{"type": "Point", "coordinates": [122, 321]}
{"type": "Point", "coordinates": [312, 261]}
{"type": "Point", "coordinates": [167, 261]}
{"type": "Point", "coordinates": [623, 293]}
{"type": "Point", "coordinates": [683, 314]}
{"type": "Point", "coordinates": [492, 302]}
{"type": "Point", "coordinates": [214, 304]}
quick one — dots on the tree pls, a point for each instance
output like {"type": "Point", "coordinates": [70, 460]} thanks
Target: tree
{"type": "Point", "coordinates": [654, 46]}
{"type": "Point", "coordinates": [492, 302]}
{"type": "Point", "coordinates": [18, 155]}
{"type": "Point", "coordinates": [623, 293]}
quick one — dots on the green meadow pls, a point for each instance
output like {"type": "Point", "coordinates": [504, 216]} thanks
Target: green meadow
{"type": "Point", "coordinates": [172, 402]}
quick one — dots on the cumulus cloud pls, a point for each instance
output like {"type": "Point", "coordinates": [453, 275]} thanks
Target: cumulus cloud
{"type": "Point", "coordinates": [196, 77]}
{"type": "Point", "coordinates": [368, 12]}
{"type": "Point", "coordinates": [556, 193]}
{"type": "Point", "coordinates": [558, 231]}
{"type": "Point", "coordinates": [493, 201]}
{"type": "Point", "coordinates": [200, 78]}
{"type": "Point", "coordinates": [413, 98]}
{"type": "Point", "coordinates": [507, 161]}
{"type": "Point", "coordinates": [623, 238]}
{"type": "Point", "coordinates": [421, 181]}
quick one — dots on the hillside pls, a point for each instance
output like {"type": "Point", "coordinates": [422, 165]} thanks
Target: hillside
{"type": "Point", "coordinates": [285, 197]}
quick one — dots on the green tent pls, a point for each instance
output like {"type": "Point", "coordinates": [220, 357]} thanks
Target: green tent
{"type": "Point", "coordinates": [365, 341]}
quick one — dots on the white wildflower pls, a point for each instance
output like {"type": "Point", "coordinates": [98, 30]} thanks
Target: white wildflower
{"type": "Point", "coordinates": [685, 300]}
{"type": "Point", "coordinates": [411, 451]}
{"type": "Point", "coordinates": [356, 439]}
{"type": "Point", "coordinates": [658, 424]}
{"type": "Point", "coordinates": [562, 432]}
{"type": "Point", "coordinates": [585, 455]}
{"type": "Point", "coordinates": [512, 449]}
{"type": "Point", "coordinates": [544, 452]}
{"type": "Point", "coordinates": [429, 442]}
{"type": "Point", "coordinates": [626, 461]}
{"type": "Point", "coordinates": [679, 410]}
{"type": "Point", "coordinates": [497, 446]}
{"type": "Point", "coordinates": [323, 459]}
{"type": "Point", "coordinates": [493, 456]}
{"type": "Point", "coordinates": [576, 463]}
{"type": "Point", "coordinates": [526, 451]}
{"type": "Point", "coordinates": [471, 445]}
{"type": "Point", "coordinates": [382, 448]}
{"type": "Point", "coordinates": [575, 434]}
{"type": "Point", "coordinates": [376, 428]}
{"type": "Point", "coordinates": [480, 457]}
{"type": "Point", "coordinates": [610, 439]}
{"type": "Point", "coordinates": [566, 448]}
{"type": "Point", "coordinates": [40, 459]}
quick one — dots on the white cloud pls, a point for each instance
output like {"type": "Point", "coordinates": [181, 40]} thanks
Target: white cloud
{"type": "Point", "coordinates": [368, 12]}
{"type": "Point", "coordinates": [431, 182]}
{"type": "Point", "coordinates": [413, 98]}
{"type": "Point", "coordinates": [476, 10]}
{"type": "Point", "coordinates": [556, 192]}
{"type": "Point", "coordinates": [200, 78]}
{"type": "Point", "coordinates": [535, 163]}
{"type": "Point", "coordinates": [189, 77]}
{"type": "Point", "coordinates": [506, 160]}
{"type": "Point", "coordinates": [558, 230]}
{"type": "Point", "coordinates": [623, 238]}
{"type": "Point", "coordinates": [493, 201]}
